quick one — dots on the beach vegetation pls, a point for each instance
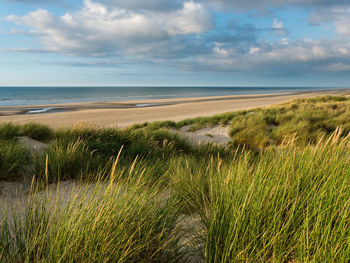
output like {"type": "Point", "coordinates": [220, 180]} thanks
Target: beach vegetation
{"type": "Point", "coordinates": [278, 192]}
{"type": "Point", "coordinates": [286, 205]}
{"type": "Point", "coordinates": [302, 121]}
{"type": "Point", "coordinates": [104, 222]}
{"type": "Point", "coordinates": [14, 159]}
{"type": "Point", "coordinates": [10, 131]}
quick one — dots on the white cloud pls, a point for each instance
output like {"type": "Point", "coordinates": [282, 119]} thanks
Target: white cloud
{"type": "Point", "coordinates": [278, 28]}
{"type": "Point", "coordinates": [342, 21]}
{"type": "Point", "coordinates": [254, 50]}
{"type": "Point", "coordinates": [158, 5]}
{"type": "Point", "coordinates": [193, 18]}
{"type": "Point", "coordinates": [343, 51]}
{"type": "Point", "coordinates": [284, 41]}
{"type": "Point", "coordinates": [297, 57]}
{"type": "Point", "coordinates": [276, 24]}
{"type": "Point", "coordinates": [259, 4]}
{"type": "Point", "coordinates": [339, 17]}
{"type": "Point", "coordinates": [177, 4]}
{"type": "Point", "coordinates": [176, 36]}
{"type": "Point", "coordinates": [98, 28]}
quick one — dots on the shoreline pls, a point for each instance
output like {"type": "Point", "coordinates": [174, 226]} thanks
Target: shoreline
{"type": "Point", "coordinates": [125, 113]}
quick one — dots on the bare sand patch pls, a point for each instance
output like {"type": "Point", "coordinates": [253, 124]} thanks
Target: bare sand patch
{"type": "Point", "coordinates": [219, 135]}
{"type": "Point", "coordinates": [14, 196]}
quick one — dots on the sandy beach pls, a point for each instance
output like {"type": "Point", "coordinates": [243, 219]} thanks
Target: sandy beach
{"type": "Point", "coordinates": [125, 113]}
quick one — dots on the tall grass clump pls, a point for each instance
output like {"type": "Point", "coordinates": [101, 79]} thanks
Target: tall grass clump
{"type": "Point", "coordinates": [36, 131]}
{"type": "Point", "coordinates": [87, 153]}
{"type": "Point", "coordinates": [10, 131]}
{"type": "Point", "coordinates": [13, 160]}
{"type": "Point", "coordinates": [289, 205]}
{"type": "Point", "coordinates": [108, 141]}
{"type": "Point", "coordinates": [67, 160]}
{"type": "Point", "coordinates": [120, 220]}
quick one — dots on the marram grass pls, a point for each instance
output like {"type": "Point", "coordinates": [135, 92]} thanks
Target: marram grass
{"type": "Point", "coordinates": [286, 205]}
{"type": "Point", "coordinates": [302, 120]}
{"type": "Point", "coordinates": [162, 200]}
{"type": "Point", "coordinates": [13, 160]}
{"type": "Point", "coordinates": [109, 221]}
{"type": "Point", "coordinates": [290, 205]}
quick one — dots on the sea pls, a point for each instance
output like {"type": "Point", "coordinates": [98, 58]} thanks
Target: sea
{"type": "Point", "coordinates": [24, 96]}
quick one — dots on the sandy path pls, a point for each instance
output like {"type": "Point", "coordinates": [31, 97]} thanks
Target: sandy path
{"type": "Point", "coordinates": [179, 109]}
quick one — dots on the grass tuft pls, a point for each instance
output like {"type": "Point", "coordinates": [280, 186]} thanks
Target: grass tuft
{"type": "Point", "coordinates": [10, 131]}
{"type": "Point", "coordinates": [97, 223]}
{"type": "Point", "coordinates": [13, 160]}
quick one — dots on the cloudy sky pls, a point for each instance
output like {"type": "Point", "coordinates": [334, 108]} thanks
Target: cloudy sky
{"type": "Point", "coordinates": [175, 42]}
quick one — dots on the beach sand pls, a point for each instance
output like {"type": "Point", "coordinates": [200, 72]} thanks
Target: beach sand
{"type": "Point", "coordinates": [125, 113]}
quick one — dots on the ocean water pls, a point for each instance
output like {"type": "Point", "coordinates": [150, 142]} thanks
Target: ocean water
{"type": "Point", "coordinates": [21, 96]}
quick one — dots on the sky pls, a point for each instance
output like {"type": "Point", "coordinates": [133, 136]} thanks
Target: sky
{"type": "Point", "coordinates": [293, 43]}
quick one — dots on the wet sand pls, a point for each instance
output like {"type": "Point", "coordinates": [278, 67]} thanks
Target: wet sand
{"type": "Point", "coordinates": [125, 113]}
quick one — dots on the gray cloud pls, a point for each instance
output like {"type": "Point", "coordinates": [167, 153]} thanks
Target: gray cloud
{"type": "Point", "coordinates": [165, 5]}
{"type": "Point", "coordinates": [247, 4]}
{"type": "Point", "coordinates": [339, 16]}
{"type": "Point", "coordinates": [100, 30]}
{"type": "Point", "coordinates": [181, 35]}
{"type": "Point", "coordinates": [61, 3]}
{"type": "Point", "coordinates": [298, 57]}
{"type": "Point", "coordinates": [158, 5]}
{"type": "Point", "coordinates": [258, 4]}
{"type": "Point", "coordinates": [26, 50]}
